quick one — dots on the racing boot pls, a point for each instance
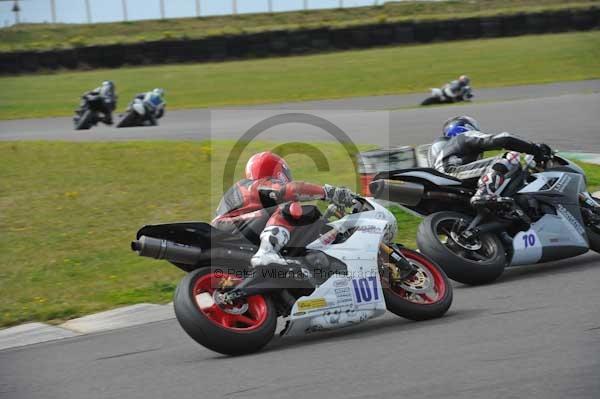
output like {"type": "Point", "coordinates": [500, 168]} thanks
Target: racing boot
{"type": "Point", "coordinates": [492, 183]}
{"type": "Point", "coordinates": [272, 239]}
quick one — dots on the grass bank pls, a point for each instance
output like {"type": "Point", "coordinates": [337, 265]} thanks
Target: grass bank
{"type": "Point", "coordinates": [69, 211]}
{"type": "Point", "coordinates": [490, 62]}
{"type": "Point", "coordinates": [54, 36]}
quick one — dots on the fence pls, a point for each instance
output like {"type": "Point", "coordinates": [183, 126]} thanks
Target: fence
{"type": "Point", "coordinates": [121, 10]}
{"type": "Point", "coordinates": [301, 41]}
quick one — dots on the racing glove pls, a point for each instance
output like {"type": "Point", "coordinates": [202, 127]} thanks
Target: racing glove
{"type": "Point", "coordinates": [339, 195]}
{"type": "Point", "coordinates": [543, 153]}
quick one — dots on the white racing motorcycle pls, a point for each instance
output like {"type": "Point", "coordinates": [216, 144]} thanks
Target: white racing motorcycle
{"type": "Point", "coordinates": [444, 96]}
{"type": "Point", "coordinates": [338, 274]}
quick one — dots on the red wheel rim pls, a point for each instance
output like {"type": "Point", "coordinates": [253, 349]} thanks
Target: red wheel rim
{"type": "Point", "coordinates": [252, 318]}
{"type": "Point", "coordinates": [437, 290]}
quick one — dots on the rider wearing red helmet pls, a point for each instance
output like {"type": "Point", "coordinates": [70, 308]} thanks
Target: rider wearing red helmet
{"type": "Point", "coordinates": [266, 201]}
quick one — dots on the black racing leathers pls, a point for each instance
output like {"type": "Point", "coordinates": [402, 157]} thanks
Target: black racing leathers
{"type": "Point", "coordinates": [461, 156]}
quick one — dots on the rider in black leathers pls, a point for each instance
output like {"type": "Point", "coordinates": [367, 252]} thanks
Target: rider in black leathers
{"type": "Point", "coordinates": [459, 153]}
{"type": "Point", "coordinates": [107, 92]}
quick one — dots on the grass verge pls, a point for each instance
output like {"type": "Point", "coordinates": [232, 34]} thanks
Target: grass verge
{"type": "Point", "coordinates": [393, 70]}
{"type": "Point", "coordinates": [53, 36]}
{"type": "Point", "coordinates": [69, 211]}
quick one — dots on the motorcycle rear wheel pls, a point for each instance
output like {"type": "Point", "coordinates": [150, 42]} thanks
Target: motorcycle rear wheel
{"type": "Point", "coordinates": [472, 267]}
{"type": "Point", "coordinates": [231, 330]}
{"type": "Point", "coordinates": [425, 295]}
{"type": "Point", "coordinates": [128, 120]}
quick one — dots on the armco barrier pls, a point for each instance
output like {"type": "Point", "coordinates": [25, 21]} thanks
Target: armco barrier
{"type": "Point", "coordinates": [289, 42]}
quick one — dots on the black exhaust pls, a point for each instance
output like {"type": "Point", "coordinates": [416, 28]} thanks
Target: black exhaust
{"type": "Point", "coordinates": [402, 192]}
{"type": "Point", "coordinates": [162, 249]}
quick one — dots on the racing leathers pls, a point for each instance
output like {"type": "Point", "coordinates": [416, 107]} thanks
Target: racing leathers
{"type": "Point", "coordinates": [109, 101]}
{"type": "Point", "coordinates": [154, 104]}
{"type": "Point", "coordinates": [456, 90]}
{"type": "Point", "coordinates": [461, 157]}
{"type": "Point", "coordinates": [269, 210]}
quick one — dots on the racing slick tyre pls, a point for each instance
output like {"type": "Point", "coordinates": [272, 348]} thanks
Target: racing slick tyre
{"type": "Point", "coordinates": [85, 121]}
{"type": "Point", "coordinates": [431, 100]}
{"type": "Point", "coordinates": [427, 294]}
{"type": "Point", "coordinates": [480, 261]}
{"type": "Point", "coordinates": [234, 329]}
{"type": "Point", "coordinates": [128, 120]}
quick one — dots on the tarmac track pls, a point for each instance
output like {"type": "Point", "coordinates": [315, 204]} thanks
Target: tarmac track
{"type": "Point", "coordinates": [564, 115]}
{"type": "Point", "coordinates": [535, 333]}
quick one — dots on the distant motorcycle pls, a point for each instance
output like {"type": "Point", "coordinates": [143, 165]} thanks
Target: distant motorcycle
{"type": "Point", "coordinates": [444, 96]}
{"type": "Point", "coordinates": [92, 110]}
{"type": "Point", "coordinates": [142, 112]}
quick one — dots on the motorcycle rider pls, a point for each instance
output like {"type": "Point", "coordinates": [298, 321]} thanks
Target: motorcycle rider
{"type": "Point", "coordinates": [155, 104]}
{"type": "Point", "coordinates": [458, 89]}
{"type": "Point", "coordinates": [267, 201]}
{"type": "Point", "coordinates": [459, 153]}
{"type": "Point", "coordinates": [107, 92]}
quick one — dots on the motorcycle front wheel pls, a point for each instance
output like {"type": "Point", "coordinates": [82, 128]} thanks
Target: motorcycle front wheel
{"type": "Point", "coordinates": [480, 261]}
{"type": "Point", "coordinates": [85, 121]}
{"type": "Point", "coordinates": [234, 329]}
{"type": "Point", "coordinates": [431, 100]}
{"type": "Point", "coordinates": [427, 294]}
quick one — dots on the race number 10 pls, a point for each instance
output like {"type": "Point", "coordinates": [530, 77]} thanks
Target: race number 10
{"type": "Point", "coordinates": [364, 291]}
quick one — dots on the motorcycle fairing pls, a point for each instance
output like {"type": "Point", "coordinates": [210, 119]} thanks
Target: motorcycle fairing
{"type": "Point", "coordinates": [554, 236]}
{"type": "Point", "coordinates": [346, 300]}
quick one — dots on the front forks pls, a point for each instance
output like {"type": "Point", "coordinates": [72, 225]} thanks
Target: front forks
{"type": "Point", "coordinates": [399, 267]}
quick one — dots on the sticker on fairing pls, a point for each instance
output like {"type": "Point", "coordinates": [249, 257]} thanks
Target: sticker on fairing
{"type": "Point", "coordinates": [527, 248]}
{"type": "Point", "coordinates": [309, 304]}
{"type": "Point", "coordinates": [366, 290]}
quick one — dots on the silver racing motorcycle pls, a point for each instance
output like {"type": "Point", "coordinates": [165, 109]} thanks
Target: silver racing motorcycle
{"type": "Point", "coordinates": [544, 214]}
{"type": "Point", "coordinates": [339, 273]}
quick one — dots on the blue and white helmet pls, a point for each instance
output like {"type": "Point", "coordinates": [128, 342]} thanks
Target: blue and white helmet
{"type": "Point", "coordinates": [459, 125]}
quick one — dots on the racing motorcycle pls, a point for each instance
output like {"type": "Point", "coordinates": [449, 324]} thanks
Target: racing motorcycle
{"type": "Point", "coordinates": [91, 110]}
{"type": "Point", "coordinates": [444, 96]}
{"type": "Point", "coordinates": [141, 113]}
{"type": "Point", "coordinates": [544, 214]}
{"type": "Point", "coordinates": [342, 269]}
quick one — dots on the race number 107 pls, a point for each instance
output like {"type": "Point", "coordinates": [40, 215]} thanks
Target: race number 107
{"type": "Point", "coordinates": [365, 289]}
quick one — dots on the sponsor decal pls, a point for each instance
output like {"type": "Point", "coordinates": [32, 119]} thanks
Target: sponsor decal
{"type": "Point", "coordinates": [309, 304]}
{"type": "Point", "coordinates": [343, 295]}
{"type": "Point", "coordinates": [299, 313]}
{"type": "Point", "coordinates": [340, 283]}
{"type": "Point", "coordinates": [567, 215]}
{"type": "Point", "coordinates": [562, 183]}
{"type": "Point", "coordinates": [369, 229]}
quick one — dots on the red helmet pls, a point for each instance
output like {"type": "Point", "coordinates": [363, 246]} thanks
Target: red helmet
{"type": "Point", "coordinates": [266, 164]}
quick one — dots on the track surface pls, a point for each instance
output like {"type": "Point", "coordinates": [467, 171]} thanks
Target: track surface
{"type": "Point", "coordinates": [564, 115]}
{"type": "Point", "coordinates": [535, 333]}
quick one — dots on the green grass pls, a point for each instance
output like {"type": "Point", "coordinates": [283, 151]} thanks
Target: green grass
{"type": "Point", "coordinates": [69, 211]}
{"type": "Point", "coordinates": [491, 62]}
{"type": "Point", "coordinates": [51, 36]}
